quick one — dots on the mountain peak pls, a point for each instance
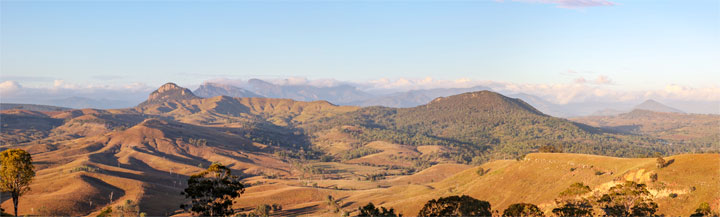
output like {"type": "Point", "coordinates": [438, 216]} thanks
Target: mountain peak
{"type": "Point", "coordinates": [209, 89]}
{"type": "Point", "coordinates": [652, 105]}
{"type": "Point", "coordinates": [484, 100]}
{"type": "Point", "coordinates": [169, 91]}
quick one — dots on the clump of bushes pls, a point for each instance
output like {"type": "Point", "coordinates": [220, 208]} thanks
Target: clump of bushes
{"type": "Point", "coordinates": [90, 169]}
{"type": "Point", "coordinates": [481, 171]}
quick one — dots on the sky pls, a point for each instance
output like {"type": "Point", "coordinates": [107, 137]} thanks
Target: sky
{"type": "Point", "coordinates": [532, 45]}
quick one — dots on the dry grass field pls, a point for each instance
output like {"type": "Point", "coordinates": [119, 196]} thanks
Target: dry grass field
{"type": "Point", "coordinates": [90, 159]}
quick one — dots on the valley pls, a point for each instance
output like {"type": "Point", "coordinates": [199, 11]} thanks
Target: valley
{"type": "Point", "coordinates": [297, 153]}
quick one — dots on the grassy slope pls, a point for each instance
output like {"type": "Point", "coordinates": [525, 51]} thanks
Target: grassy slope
{"type": "Point", "coordinates": [541, 177]}
{"type": "Point", "coordinates": [537, 179]}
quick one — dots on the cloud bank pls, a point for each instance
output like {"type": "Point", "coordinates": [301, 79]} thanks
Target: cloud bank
{"type": "Point", "coordinates": [582, 90]}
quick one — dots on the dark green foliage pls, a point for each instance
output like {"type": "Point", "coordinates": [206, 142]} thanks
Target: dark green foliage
{"type": "Point", "coordinates": [212, 191]}
{"type": "Point", "coordinates": [359, 152]}
{"type": "Point", "coordinates": [303, 154]}
{"type": "Point", "coordinates": [197, 142]}
{"type": "Point", "coordinates": [628, 199]}
{"type": "Point", "coordinates": [550, 149]}
{"type": "Point", "coordinates": [107, 212]}
{"type": "Point", "coordinates": [576, 208]}
{"type": "Point", "coordinates": [571, 203]}
{"type": "Point", "coordinates": [456, 206]}
{"type": "Point", "coordinates": [576, 189]}
{"type": "Point", "coordinates": [16, 173]}
{"type": "Point", "coordinates": [481, 126]}
{"type": "Point", "coordinates": [276, 207]}
{"type": "Point", "coordinates": [703, 210]}
{"type": "Point", "coordinates": [522, 209]}
{"type": "Point", "coordinates": [370, 210]}
{"type": "Point", "coordinates": [90, 169]}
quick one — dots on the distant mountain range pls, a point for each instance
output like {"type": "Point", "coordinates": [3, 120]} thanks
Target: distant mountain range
{"type": "Point", "coordinates": [208, 90]}
{"type": "Point", "coordinates": [413, 98]}
{"type": "Point", "coordinates": [648, 105]}
{"type": "Point", "coordinates": [146, 152]}
{"type": "Point", "coordinates": [351, 94]}
{"type": "Point", "coordinates": [31, 107]}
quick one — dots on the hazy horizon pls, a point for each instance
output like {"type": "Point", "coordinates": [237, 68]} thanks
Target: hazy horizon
{"type": "Point", "coordinates": [566, 52]}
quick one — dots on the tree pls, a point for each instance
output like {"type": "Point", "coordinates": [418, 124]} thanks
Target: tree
{"type": "Point", "coordinates": [107, 212]}
{"type": "Point", "coordinates": [370, 210]}
{"type": "Point", "coordinates": [703, 210]}
{"type": "Point", "coordinates": [576, 189]}
{"type": "Point", "coordinates": [212, 191]}
{"type": "Point", "coordinates": [550, 149]}
{"type": "Point", "coordinates": [263, 210]}
{"type": "Point", "coordinates": [333, 204]}
{"type": "Point", "coordinates": [16, 173]}
{"type": "Point", "coordinates": [523, 209]}
{"type": "Point", "coordinates": [456, 206]}
{"type": "Point", "coordinates": [628, 199]}
{"type": "Point", "coordinates": [660, 162]}
{"type": "Point", "coordinates": [129, 208]}
{"type": "Point", "coordinates": [571, 203]}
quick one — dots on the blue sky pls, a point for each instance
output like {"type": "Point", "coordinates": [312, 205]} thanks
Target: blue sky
{"type": "Point", "coordinates": [631, 45]}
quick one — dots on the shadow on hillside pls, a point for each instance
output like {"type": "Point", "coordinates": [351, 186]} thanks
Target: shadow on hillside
{"type": "Point", "coordinates": [671, 161]}
{"type": "Point", "coordinates": [298, 211]}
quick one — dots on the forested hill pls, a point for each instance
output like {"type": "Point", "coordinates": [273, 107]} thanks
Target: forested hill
{"type": "Point", "coordinates": [483, 125]}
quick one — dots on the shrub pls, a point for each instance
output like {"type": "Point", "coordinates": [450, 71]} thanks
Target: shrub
{"type": "Point", "coordinates": [105, 212]}
{"type": "Point", "coordinates": [370, 210]}
{"type": "Point", "coordinates": [482, 172]}
{"type": "Point", "coordinates": [702, 210]}
{"type": "Point", "coordinates": [550, 149]}
{"type": "Point", "coordinates": [456, 206]}
{"type": "Point", "coordinates": [614, 202]}
{"type": "Point", "coordinates": [523, 209]}
{"type": "Point", "coordinates": [654, 177]}
{"type": "Point", "coordinates": [660, 162]}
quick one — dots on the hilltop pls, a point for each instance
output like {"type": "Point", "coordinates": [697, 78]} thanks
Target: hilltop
{"type": "Point", "coordinates": [479, 126]}
{"type": "Point", "coordinates": [30, 107]}
{"type": "Point", "coordinates": [284, 147]}
{"type": "Point", "coordinates": [169, 92]}
{"type": "Point", "coordinates": [652, 105]}
{"type": "Point", "coordinates": [207, 90]}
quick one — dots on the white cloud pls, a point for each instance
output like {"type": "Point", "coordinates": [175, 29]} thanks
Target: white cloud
{"type": "Point", "coordinates": [12, 91]}
{"type": "Point", "coordinates": [403, 84]}
{"type": "Point", "coordinates": [7, 87]}
{"type": "Point", "coordinates": [580, 80]}
{"type": "Point", "coordinates": [603, 79]}
{"type": "Point", "coordinates": [578, 91]}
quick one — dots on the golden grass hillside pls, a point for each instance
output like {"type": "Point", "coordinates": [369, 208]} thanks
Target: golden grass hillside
{"type": "Point", "coordinates": [539, 178]}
